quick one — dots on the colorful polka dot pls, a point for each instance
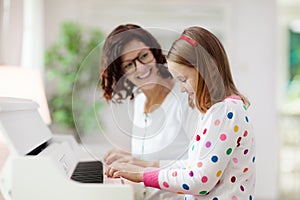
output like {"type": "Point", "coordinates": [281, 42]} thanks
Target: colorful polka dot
{"type": "Point", "coordinates": [245, 170]}
{"type": "Point", "coordinates": [245, 107]}
{"type": "Point", "coordinates": [233, 179]}
{"type": "Point", "coordinates": [229, 150]}
{"type": "Point", "coordinates": [238, 141]}
{"type": "Point", "coordinates": [179, 192]}
{"type": "Point", "coordinates": [199, 164]}
{"type": "Point", "coordinates": [203, 192]}
{"type": "Point", "coordinates": [208, 144]}
{"type": "Point", "coordinates": [250, 197]}
{"type": "Point", "coordinates": [219, 173]}
{"type": "Point", "coordinates": [217, 122]}
{"type": "Point", "coordinates": [230, 115]}
{"type": "Point", "coordinates": [198, 137]}
{"type": "Point", "coordinates": [214, 159]}
{"type": "Point", "coordinates": [204, 179]}
{"type": "Point", "coordinates": [253, 159]}
{"type": "Point", "coordinates": [245, 133]}
{"type": "Point", "coordinates": [191, 173]}
{"type": "Point", "coordinates": [234, 198]}
{"type": "Point", "coordinates": [204, 131]}
{"type": "Point", "coordinates": [235, 160]}
{"type": "Point", "coordinates": [246, 151]}
{"type": "Point", "coordinates": [174, 174]}
{"type": "Point", "coordinates": [246, 118]}
{"type": "Point", "coordinates": [193, 147]}
{"type": "Point", "coordinates": [215, 198]}
{"type": "Point", "coordinates": [185, 186]}
{"type": "Point", "coordinates": [242, 188]}
{"type": "Point", "coordinates": [165, 184]}
{"type": "Point", "coordinates": [223, 137]}
{"type": "Point", "coordinates": [236, 128]}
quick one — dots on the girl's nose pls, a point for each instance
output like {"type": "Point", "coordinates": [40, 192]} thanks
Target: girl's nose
{"type": "Point", "coordinates": [183, 89]}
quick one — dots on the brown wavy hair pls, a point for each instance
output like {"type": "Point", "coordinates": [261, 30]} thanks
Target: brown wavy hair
{"type": "Point", "coordinates": [203, 51]}
{"type": "Point", "coordinates": [114, 84]}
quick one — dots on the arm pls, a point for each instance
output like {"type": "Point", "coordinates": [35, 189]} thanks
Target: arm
{"type": "Point", "coordinates": [209, 155]}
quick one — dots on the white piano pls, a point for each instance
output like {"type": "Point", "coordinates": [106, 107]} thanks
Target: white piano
{"type": "Point", "coordinates": [43, 166]}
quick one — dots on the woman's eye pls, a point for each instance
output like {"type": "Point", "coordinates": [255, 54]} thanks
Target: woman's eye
{"type": "Point", "coordinates": [128, 65]}
{"type": "Point", "coordinates": [144, 56]}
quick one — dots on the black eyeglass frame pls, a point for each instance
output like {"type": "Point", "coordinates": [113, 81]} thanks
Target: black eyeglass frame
{"type": "Point", "coordinates": [133, 61]}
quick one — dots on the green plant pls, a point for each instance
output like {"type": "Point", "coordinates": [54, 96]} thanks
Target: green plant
{"type": "Point", "coordinates": [64, 60]}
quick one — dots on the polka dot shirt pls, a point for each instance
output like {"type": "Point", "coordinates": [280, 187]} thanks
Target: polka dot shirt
{"type": "Point", "coordinates": [221, 163]}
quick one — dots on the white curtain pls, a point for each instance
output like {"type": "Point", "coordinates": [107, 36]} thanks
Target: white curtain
{"type": "Point", "coordinates": [32, 54]}
{"type": "Point", "coordinates": [4, 25]}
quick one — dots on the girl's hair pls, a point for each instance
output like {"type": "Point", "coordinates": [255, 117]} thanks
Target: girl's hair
{"type": "Point", "coordinates": [200, 49]}
{"type": "Point", "coordinates": [113, 81]}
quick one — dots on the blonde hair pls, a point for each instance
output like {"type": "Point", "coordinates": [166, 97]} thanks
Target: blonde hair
{"type": "Point", "coordinates": [200, 49]}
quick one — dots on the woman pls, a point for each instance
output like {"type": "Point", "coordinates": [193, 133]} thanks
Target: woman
{"type": "Point", "coordinates": [135, 70]}
{"type": "Point", "coordinates": [221, 158]}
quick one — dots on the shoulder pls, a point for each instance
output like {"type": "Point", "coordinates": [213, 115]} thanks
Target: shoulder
{"type": "Point", "coordinates": [229, 108]}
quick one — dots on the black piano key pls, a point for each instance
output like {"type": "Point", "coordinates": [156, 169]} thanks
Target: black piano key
{"type": "Point", "coordinates": [88, 172]}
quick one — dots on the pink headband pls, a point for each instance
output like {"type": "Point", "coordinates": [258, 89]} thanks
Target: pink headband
{"type": "Point", "coordinates": [189, 40]}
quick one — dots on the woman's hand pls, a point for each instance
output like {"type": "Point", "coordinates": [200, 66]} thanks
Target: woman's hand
{"type": "Point", "coordinates": [130, 172]}
{"type": "Point", "coordinates": [117, 155]}
{"type": "Point", "coordinates": [120, 156]}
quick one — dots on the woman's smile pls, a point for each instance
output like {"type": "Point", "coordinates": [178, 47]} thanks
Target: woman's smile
{"type": "Point", "coordinates": [145, 75]}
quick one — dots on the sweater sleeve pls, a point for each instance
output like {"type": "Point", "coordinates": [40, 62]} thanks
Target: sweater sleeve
{"type": "Point", "coordinates": [209, 154]}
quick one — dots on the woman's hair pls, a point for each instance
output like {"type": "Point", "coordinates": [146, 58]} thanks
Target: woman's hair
{"type": "Point", "coordinates": [200, 49]}
{"type": "Point", "coordinates": [113, 82]}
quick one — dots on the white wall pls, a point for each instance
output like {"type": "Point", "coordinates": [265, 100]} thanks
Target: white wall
{"type": "Point", "coordinates": [253, 56]}
{"type": "Point", "coordinates": [250, 38]}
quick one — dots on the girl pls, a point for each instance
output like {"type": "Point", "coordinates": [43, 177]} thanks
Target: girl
{"type": "Point", "coordinates": [136, 72]}
{"type": "Point", "coordinates": [221, 157]}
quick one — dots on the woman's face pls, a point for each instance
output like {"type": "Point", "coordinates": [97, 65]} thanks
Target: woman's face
{"type": "Point", "coordinates": [186, 76]}
{"type": "Point", "coordinates": [139, 64]}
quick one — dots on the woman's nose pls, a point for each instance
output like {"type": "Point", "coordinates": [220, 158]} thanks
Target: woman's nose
{"type": "Point", "coordinates": [138, 64]}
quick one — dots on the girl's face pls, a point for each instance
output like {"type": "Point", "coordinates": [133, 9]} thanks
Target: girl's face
{"type": "Point", "coordinates": [186, 76]}
{"type": "Point", "coordinates": [139, 64]}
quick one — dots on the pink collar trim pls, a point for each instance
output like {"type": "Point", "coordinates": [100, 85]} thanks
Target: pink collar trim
{"type": "Point", "coordinates": [234, 97]}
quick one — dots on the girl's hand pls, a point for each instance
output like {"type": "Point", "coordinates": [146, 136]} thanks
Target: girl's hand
{"type": "Point", "coordinates": [130, 172]}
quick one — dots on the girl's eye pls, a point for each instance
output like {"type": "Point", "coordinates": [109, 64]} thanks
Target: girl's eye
{"type": "Point", "coordinates": [183, 80]}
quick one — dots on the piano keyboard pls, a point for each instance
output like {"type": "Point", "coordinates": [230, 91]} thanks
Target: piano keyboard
{"type": "Point", "coordinates": [88, 172]}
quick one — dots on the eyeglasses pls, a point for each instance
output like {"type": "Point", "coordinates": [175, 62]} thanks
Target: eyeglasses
{"type": "Point", "coordinates": [144, 57]}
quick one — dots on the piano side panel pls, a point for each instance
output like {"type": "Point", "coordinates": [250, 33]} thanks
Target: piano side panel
{"type": "Point", "coordinates": [62, 156]}
{"type": "Point", "coordinates": [37, 179]}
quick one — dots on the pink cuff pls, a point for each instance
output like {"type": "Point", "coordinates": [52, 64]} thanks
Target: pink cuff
{"type": "Point", "coordinates": [150, 177]}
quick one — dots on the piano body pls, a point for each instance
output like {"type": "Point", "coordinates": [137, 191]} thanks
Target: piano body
{"type": "Point", "coordinates": [44, 166]}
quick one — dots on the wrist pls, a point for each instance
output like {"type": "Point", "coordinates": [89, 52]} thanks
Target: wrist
{"type": "Point", "coordinates": [150, 177]}
{"type": "Point", "coordinates": [154, 164]}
